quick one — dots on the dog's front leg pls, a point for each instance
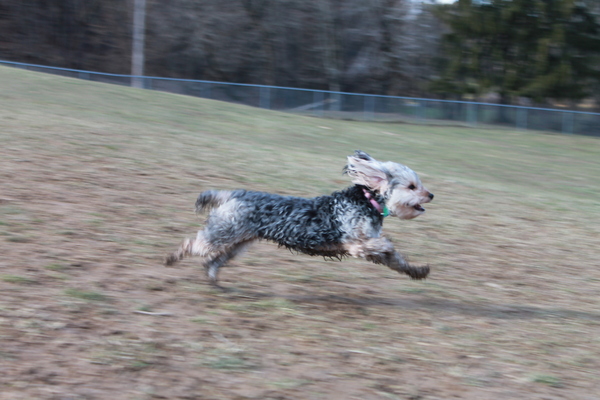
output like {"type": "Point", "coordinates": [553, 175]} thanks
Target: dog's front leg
{"type": "Point", "coordinates": [398, 263]}
{"type": "Point", "coordinates": [381, 251]}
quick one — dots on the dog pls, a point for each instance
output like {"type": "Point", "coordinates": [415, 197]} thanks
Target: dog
{"type": "Point", "coordinates": [345, 223]}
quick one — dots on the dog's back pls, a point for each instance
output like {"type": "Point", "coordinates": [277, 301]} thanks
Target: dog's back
{"type": "Point", "coordinates": [314, 226]}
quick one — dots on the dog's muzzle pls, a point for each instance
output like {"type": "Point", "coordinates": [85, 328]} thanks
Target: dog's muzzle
{"type": "Point", "coordinates": [419, 207]}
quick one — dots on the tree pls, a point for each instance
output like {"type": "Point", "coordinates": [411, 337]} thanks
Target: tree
{"type": "Point", "coordinates": [339, 45]}
{"type": "Point", "coordinates": [520, 48]}
{"type": "Point", "coordinates": [378, 46]}
{"type": "Point", "coordinates": [92, 34]}
{"type": "Point", "coordinates": [418, 46]}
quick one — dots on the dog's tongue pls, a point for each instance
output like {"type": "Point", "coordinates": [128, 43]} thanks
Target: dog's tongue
{"type": "Point", "coordinates": [419, 208]}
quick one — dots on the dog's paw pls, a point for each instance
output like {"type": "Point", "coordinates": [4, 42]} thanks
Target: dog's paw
{"type": "Point", "coordinates": [170, 260]}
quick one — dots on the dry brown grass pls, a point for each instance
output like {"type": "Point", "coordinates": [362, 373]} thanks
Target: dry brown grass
{"type": "Point", "coordinates": [98, 184]}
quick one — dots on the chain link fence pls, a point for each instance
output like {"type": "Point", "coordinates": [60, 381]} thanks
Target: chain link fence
{"type": "Point", "coordinates": [353, 106]}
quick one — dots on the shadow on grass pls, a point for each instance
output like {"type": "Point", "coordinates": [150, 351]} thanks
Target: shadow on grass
{"type": "Point", "coordinates": [430, 304]}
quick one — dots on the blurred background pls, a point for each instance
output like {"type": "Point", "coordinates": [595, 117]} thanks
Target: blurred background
{"type": "Point", "coordinates": [520, 52]}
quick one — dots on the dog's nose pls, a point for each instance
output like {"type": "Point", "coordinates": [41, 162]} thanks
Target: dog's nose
{"type": "Point", "coordinates": [431, 196]}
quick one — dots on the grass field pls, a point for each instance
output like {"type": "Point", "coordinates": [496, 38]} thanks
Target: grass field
{"type": "Point", "coordinates": [97, 185]}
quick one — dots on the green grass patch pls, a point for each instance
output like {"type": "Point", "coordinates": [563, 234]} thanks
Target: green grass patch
{"type": "Point", "coordinates": [56, 267]}
{"type": "Point", "coordinates": [18, 239]}
{"type": "Point", "coordinates": [17, 279]}
{"type": "Point", "coordinates": [267, 305]}
{"type": "Point", "coordinates": [228, 362]}
{"type": "Point", "coordinates": [199, 320]}
{"type": "Point", "coordinates": [549, 380]}
{"type": "Point", "coordinates": [86, 295]}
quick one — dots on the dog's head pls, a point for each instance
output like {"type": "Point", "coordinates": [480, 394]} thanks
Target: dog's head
{"type": "Point", "coordinates": [399, 185]}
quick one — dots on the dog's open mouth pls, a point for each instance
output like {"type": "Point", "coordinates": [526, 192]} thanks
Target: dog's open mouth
{"type": "Point", "coordinates": [418, 207]}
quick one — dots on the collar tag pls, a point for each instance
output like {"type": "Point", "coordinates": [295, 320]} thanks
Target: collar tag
{"type": "Point", "coordinates": [385, 212]}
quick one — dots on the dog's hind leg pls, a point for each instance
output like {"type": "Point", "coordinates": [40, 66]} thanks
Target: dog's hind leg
{"type": "Point", "coordinates": [216, 261]}
{"type": "Point", "coordinates": [198, 246]}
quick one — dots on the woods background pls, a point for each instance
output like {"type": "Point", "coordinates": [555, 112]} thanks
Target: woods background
{"type": "Point", "coordinates": [543, 52]}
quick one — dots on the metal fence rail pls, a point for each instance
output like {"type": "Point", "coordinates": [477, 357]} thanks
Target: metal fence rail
{"type": "Point", "coordinates": [354, 106]}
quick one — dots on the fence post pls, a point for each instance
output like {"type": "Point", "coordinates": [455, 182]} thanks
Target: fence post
{"type": "Point", "coordinates": [137, 47]}
{"type": "Point", "coordinates": [205, 90]}
{"type": "Point", "coordinates": [368, 108]}
{"type": "Point", "coordinates": [521, 119]}
{"type": "Point", "coordinates": [567, 123]}
{"type": "Point", "coordinates": [472, 114]}
{"type": "Point", "coordinates": [319, 101]}
{"type": "Point", "coordinates": [265, 97]}
{"type": "Point", "coordinates": [335, 102]}
{"type": "Point", "coordinates": [423, 109]}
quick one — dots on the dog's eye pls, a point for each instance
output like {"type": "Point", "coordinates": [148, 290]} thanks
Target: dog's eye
{"type": "Point", "coordinates": [412, 187]}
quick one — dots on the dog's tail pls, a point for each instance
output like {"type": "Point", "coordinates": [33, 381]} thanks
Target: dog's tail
{"type": "Point", "coordinates": [211, 199]}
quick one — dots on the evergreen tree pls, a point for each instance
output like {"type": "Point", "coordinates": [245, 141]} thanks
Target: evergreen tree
{"type": "Point", "coordinates": [537, 49]}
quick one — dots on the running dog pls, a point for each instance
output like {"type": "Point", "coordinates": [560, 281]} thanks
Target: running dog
{"type": "Point", "coordinates": [345, 223]}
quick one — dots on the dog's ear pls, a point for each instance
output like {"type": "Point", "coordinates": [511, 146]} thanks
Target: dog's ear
{"type": "Point", "coordinates": [365, 170]}
{"type": "Point", "coordinates": [362, 155]}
